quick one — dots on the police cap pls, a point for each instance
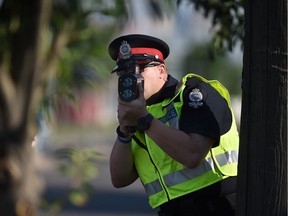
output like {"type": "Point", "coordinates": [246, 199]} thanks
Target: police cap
{"type": "Point", "coordinates": [138, 44]}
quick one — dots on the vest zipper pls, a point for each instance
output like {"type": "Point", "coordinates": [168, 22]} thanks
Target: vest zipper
{"type": "Point", "coordinates": [157, 170]}
{"type": "Point", "coordinates": [159, 176]}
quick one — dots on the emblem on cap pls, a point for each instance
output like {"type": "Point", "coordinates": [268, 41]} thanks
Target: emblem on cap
{"type": "Point", "coordinates": [195, 98]}
{"type": "Point", "coordinates": [125, 48]}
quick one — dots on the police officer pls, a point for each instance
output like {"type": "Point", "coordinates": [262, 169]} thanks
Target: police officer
{"type": "Point", "coordinates": [185, 143]}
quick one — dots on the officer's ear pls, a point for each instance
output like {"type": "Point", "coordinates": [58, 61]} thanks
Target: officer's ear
{"type": "Point", "coordinates": [163, 70]}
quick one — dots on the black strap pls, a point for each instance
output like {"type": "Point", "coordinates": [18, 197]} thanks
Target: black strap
{"type": "Point", "coordinates": [139, 142]}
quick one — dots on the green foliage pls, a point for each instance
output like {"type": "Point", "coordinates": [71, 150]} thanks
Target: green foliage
{"type": "Point", "coordinates": [77, 45]}
{"type": "Point", "coordinates": [118, 11]}
{"type": "Point", "coordinates": [10, 23]}
{"type": "Point", "coordinates": [85, 42]}
{"type": "Point", "coordinates": [52, 206]}
{"type": "Point", "coordinates": [205, 61]}
{"type": "Point", "coordinates": [227, 18]}
{"type": "Point", "coordinates": [81, 195]}
{"type": "Point", "coordinates": [79, 165]}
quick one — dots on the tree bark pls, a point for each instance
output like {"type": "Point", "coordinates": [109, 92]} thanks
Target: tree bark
{"type": "Point", "coordinates": [262, 177]}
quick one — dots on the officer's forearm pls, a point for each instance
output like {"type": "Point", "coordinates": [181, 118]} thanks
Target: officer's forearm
{"type": "Point", "coordinates": [122, 168]}
{"type": "Point", "coordinates": [188, 149]}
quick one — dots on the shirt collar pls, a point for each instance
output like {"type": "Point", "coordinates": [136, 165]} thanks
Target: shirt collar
{"type": "Point", "coordinates": [167, 91]}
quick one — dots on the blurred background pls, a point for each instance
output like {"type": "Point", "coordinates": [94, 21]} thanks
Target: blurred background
{"type": "Point", "coordinates": [74, 116]}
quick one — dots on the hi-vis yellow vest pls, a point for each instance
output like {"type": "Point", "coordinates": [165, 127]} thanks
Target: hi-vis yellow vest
{"type": "Point", "coordinates": [164, 178]}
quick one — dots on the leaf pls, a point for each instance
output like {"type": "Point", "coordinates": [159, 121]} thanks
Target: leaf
{"type": "Point", "coordinates": [78, 198]}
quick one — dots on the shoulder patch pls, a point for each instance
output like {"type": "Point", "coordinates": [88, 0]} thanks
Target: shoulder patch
{"type": "Point", "coordinates": [195, 98]}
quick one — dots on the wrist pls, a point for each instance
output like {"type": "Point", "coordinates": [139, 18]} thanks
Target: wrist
{"type": "Point", "coordinates": [144, 122]}
{"type": "Point", "coordinates": [123, 137]}
{"type": "Point", "coordinates": [124, 140]}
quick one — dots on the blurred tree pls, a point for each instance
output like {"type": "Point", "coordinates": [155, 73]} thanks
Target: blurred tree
{"type": "Point", "coordinates": [38, 39]}
{"type": "Point", "coordinates": [21, 25]}
{"type": "Point", "coordinates": [227, 18]}
{"type": "Point", "coordinates": [202, 60]}
{"type": "Point", "coordinates": [65, 38]}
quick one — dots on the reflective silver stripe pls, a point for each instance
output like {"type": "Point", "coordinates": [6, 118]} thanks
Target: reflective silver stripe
{"type": "Point", "coordinates": [179, 177]}
{"type": "Point", "coordinates": [153, 187]}
{"type": "Point", "coordinates": [227, 157]}
{"type": "Point", "coordinates": [189, 174]}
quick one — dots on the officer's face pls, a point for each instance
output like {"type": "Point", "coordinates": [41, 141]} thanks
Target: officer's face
{"type": "Point", "coordinates": [154, 79]}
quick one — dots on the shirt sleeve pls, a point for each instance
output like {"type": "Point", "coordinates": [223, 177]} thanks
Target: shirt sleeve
{"type": "Point", "coordinates": [204, 110]}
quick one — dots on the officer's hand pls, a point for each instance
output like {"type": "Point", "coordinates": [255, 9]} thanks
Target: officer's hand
{"type": "Point", "coordinates": [129, 112]}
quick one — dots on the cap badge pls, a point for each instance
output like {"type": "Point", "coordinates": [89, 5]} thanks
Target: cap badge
{"type": "Point", "coordinates": [125, 48]}
{"type": "Point", "coordinates": [195, 98]}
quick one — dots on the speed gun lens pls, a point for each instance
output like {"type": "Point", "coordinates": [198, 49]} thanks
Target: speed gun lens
{"type": "Point", "coordinates": [127, 82]}
{"type": "Point", "coordinates": [127, 87]}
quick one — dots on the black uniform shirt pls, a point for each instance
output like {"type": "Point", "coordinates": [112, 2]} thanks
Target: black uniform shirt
{"type": "Point", "coordinates": [204, 110]}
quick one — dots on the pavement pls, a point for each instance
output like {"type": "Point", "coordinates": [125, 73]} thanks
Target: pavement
{"type": "Point", "coordinates": [106, 200]}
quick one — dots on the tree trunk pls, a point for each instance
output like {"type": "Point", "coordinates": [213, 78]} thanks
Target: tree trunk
{"type": "Point", "coordinates": [262, 178]}
{"type": "Point", "coordinates": [19, 184]}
